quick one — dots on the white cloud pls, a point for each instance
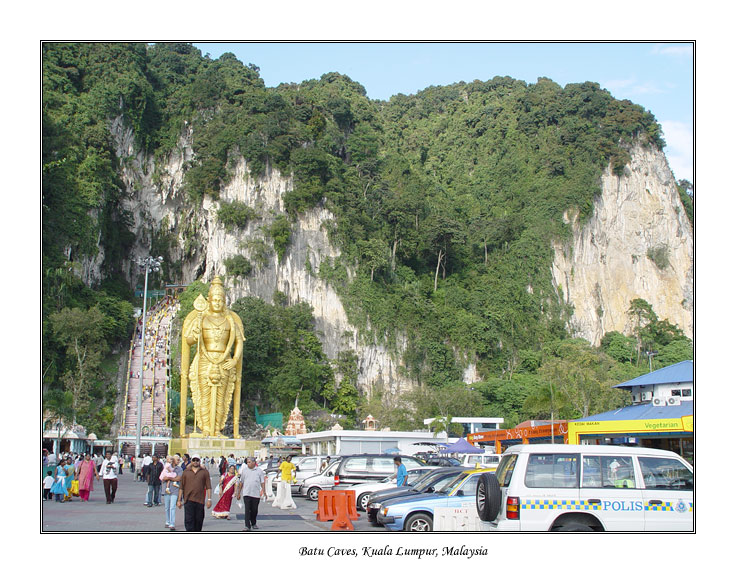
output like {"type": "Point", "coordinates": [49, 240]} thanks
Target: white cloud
{"type": "Point", "coordinates": [676, 50]}
{"type": "Point", "coordinates": [679, 149]}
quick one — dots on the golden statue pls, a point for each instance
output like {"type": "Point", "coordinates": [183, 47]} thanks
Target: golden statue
{"type": "Point", "coordinates": [216, 370]}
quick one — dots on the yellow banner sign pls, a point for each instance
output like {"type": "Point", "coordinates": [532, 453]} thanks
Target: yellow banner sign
{"type": "Point", "coordinates": [684, 424]}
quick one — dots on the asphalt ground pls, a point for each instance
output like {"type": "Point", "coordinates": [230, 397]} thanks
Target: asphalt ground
{"type": "Point", "coordinates": [129, 514]}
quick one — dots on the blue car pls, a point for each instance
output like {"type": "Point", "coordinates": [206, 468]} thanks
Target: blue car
{"type": "Point", "coordinates": [416, 514]}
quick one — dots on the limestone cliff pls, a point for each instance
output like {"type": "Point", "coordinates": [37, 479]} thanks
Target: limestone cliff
{"type": "Point", "coordinates": [637, 244]}
{"type": "Point", "coordinates": [159, 206]}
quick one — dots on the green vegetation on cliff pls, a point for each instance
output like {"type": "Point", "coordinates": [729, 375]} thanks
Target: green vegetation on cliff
{"type": "Point", "coordinates": [446, 203]}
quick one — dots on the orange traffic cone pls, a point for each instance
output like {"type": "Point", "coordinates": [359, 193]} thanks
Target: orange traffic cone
{"type": "Point", "coordinates": [342, 518]}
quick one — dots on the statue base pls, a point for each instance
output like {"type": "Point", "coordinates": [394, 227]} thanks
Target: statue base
{"type": "Point", "coordinates": [216, 446]}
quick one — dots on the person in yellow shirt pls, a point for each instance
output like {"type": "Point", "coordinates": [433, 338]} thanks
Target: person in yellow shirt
{"type": "Point", "coordinates": [288, 470]}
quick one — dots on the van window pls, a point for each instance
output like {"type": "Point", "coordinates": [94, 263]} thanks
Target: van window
{"type": "Point", "coordinates": [308, 464]}
{"type": "Point", "coordinates": [332, 467]}
{"type": "Point", "coordinates": [356, 464]}
{"type": "Point", "coordinates": [665, 474]}
{"type": "Point", "coordinates": [410, 463]}
{"type": "Point", "coordinates": [506, 469]}
{"type": "Point", "coordinates": [383, 465]}
{"type": "Point", "coordinates": [552, 471]}
{"type": "Point", "coordinates": [608, 472]}
{"type": "Point", "coordinates": [474, 459]}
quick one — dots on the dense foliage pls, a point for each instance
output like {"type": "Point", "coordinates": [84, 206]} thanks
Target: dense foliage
{"type": "Point", "coordinates": [446, 203]}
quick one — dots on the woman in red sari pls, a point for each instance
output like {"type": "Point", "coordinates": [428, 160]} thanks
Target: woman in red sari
{"type": "Point", "coordinates": [85, 473]}
{"type": "Point", "coordinates": [227, 488]}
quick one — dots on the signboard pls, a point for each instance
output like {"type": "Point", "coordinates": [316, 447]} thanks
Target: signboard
{"type": "Point", "coordinates": [158, 293]}
{"type": "Point", "coordinates": [622, 427]}
{"type": "Point", "coordinates": [519, 433]}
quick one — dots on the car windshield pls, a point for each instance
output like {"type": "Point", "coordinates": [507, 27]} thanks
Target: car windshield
{"type": "Point", "coordinates": [450, 486]}
{"type": "Point", "coordinates": [442, 482]}
{"type": "Point", "coordinates": [427, 480]}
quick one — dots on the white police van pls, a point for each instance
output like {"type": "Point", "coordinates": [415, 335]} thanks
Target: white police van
{"type": "Point", "coordinates": [587, 488]}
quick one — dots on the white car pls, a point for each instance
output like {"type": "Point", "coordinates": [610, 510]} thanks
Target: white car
{"type": "Point", "coordinates": [487, 460]}
{"type": "Point", "coordinates": [364, 490]}
{"type": "Point", "coordinates": [325, 480]}
{"type": "Point", "coordinates": [587, 488]}
{"type": "Point", "coordinates": [306, 466]}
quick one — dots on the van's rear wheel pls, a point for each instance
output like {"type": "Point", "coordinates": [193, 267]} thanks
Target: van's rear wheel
{"type": "Point", "coordinates": [488, 497]}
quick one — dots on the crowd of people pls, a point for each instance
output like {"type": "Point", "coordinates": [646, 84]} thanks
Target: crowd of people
{"type": "Point", "coordinates": [176, 482]}
{"type": "Point", "coordinates": [75, 475]}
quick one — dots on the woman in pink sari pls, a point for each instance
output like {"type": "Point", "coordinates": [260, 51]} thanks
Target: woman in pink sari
{"type": "Point", "coordinates": [227, 488]}
{"type": "Point", "coordinates": [86, 472]}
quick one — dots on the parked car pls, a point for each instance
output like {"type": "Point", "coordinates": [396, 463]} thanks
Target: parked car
{"type": "Point", "coordinates": [325, 480]}
{"type": "Point", "coordinates": [306, 466]}
{"type": "Point", "coordinates": [357, 468]}
{"type": "Point", "coordinates": [442, 461]}
{"type": "Point", "coordinates": [416, 513]}
{"type": "Point", "coordinates": [587, 488]}
{"type": "Point", "coordinates": [583, 488]}
{"type": "Point", "coordinates": [364, 490]}
{"type": "Point", "coordinates": [428, 483]}
{"type": "Point", "coordinates": [486, 460]}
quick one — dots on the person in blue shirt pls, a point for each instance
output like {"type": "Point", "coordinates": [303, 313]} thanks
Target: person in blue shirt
{"type": "Point", "coordinates": [400, 472]}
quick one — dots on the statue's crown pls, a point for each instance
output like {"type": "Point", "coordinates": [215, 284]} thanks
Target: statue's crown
{"type": "Point", "coordinates": [216, 285]}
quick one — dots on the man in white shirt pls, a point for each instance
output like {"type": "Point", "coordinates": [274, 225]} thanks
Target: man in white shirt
{"type": "Point", "coordinates": [252, 485]}
{"type": "Point", "coordinates": [145, 467]}
{"type": "Point", "coordinates": [109, 472]}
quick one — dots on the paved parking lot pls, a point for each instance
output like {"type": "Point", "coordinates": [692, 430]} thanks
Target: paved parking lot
{"type": "Point", "coordinates": [128, 514]}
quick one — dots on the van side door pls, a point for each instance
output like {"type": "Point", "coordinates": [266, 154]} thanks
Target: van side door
{"type": "Point", "coordinates": [609, 491]}
{"type": "Point", "coordinates": [381, 468]}
{"type": "Point", "coordinates": [356, 469]}
{"type": "Point", "coordinates": [668, 493]}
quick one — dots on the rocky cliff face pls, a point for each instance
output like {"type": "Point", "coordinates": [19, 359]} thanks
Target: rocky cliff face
{"type": "Point", "coordinates": [638, 244]}
{"type": "Point", "coordinates": [203, 244]}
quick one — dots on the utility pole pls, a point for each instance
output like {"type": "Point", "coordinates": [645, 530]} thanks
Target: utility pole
{"type": "Point", "coordinates": [148, 264]}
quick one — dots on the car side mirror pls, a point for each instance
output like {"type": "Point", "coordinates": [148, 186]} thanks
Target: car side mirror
{"type": "Point", "coordinates": [430, 489]}
{"type": "Point", "coordinates": [297, 467]}
{"type": "Point", "coordinates": [459, 493]}
{"type": "Point", "coordinates": [330, 473]}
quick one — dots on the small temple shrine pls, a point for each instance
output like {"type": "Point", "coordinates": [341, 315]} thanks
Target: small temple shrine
{"type": "Point", "coordinates": [296, 424]}
{"type": "Point", "coordinates": [369, 423]}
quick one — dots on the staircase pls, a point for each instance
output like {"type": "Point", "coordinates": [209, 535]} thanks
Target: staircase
{"type": "Point", "coordinates": [152, 376]}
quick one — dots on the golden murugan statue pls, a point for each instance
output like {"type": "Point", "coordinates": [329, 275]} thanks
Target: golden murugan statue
{"type": "Point", "coordinates": [216, 370]}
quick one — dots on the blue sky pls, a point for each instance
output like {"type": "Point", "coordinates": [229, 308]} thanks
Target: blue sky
{"type": "Point", "coordinates": [657, 76]}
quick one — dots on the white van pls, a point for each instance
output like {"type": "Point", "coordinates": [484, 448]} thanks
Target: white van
{"type": "Point", "coordinates": [587, 488]}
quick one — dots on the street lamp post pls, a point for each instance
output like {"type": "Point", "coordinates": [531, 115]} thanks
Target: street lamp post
{"type": "Point", "coordinates": [148, 264]}
{"type": "Point", "coordinates": [552, 411]}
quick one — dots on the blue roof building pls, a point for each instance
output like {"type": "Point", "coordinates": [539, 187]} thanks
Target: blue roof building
{"type": "Point", "coordinates": [667, 386]}
{"type": "Point", "coordinates": [661, 414]}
